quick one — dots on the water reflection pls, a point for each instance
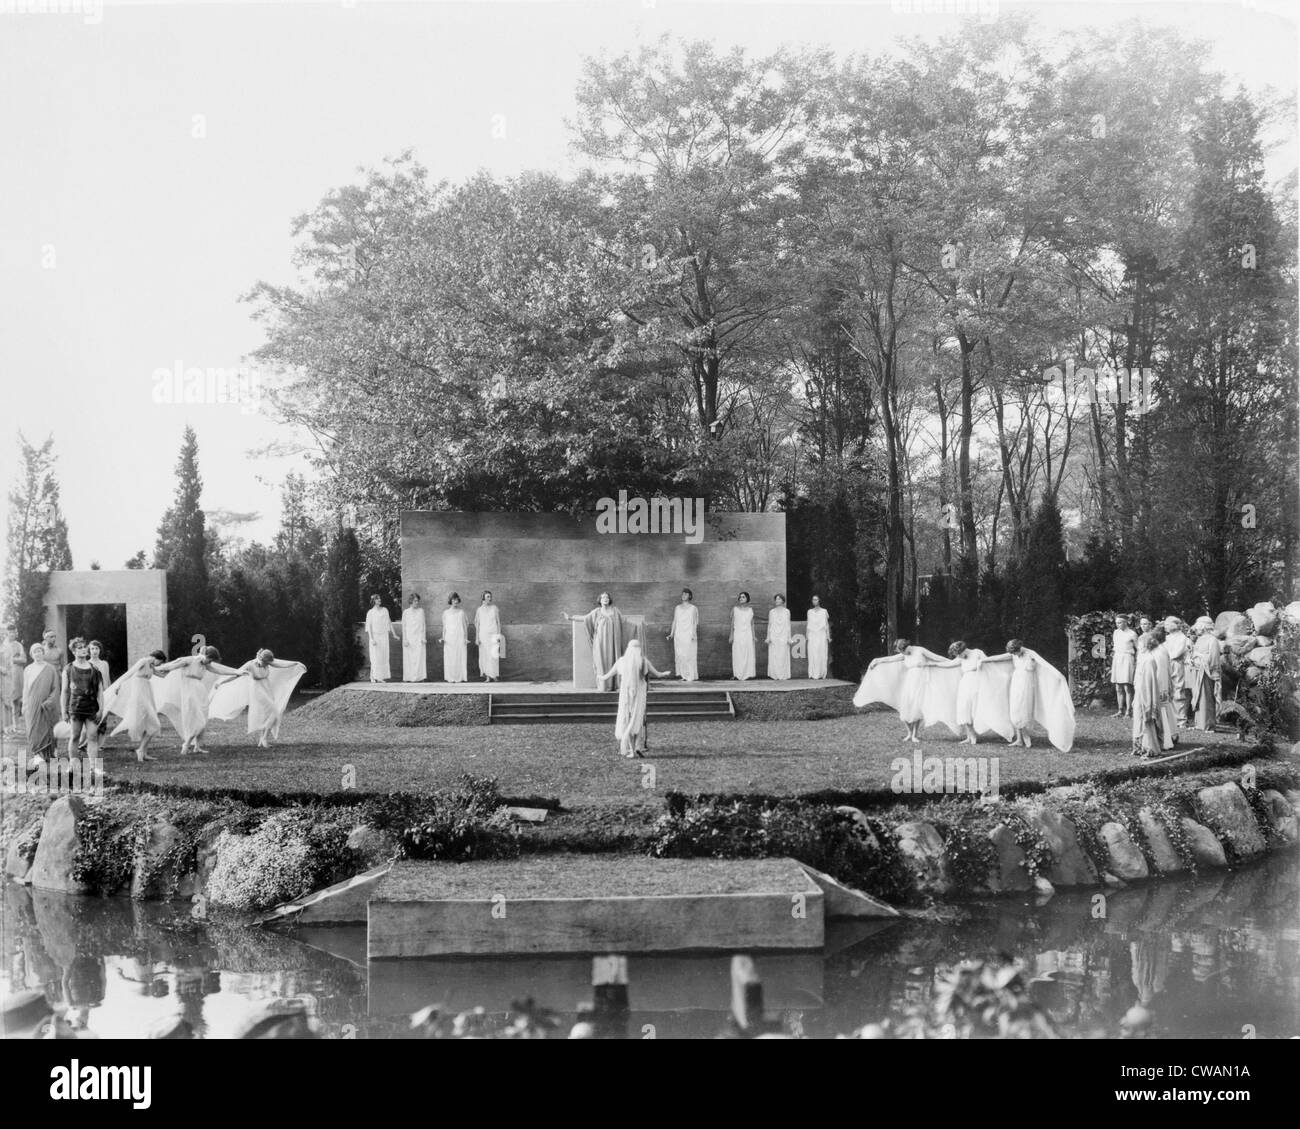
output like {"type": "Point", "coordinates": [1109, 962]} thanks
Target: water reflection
{"type": "Point", "coordinates": [1206, 956]}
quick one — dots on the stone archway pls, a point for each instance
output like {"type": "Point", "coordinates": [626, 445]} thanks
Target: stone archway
{"type": "Point", "coordinates": [142, 590]}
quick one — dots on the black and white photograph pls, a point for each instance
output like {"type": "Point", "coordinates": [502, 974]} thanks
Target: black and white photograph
{"type": "Point", "coordinates": [650, 520]}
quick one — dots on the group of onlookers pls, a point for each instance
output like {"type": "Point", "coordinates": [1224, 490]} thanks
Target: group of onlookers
{"type": "Point", "coordinates": [1167, 677]}
{"type": "Point", "coordinates": [39, 687]}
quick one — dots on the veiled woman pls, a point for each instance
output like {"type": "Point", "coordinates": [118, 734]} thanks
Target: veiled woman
{"type": "Point", "coordinates": [608, 632]}
{"type": "Point", "coordinates": [183, 696]}
{"type": "Point", "coordinates": [131, 698]}
{"type": "Point", "coordinates": [1206, 675]}
{"type": "Point", "coordinates": [414, 636]}
{"type": "Point", "coordinates": [741, 638]}
{"type": "Point", "coordinates": [632, 671]}
{"type": "Point", "coordinates": [455, 641]}
{"type": "Point", "coordinates": [1146, 699]}
{"type": "Point", "coordinates": [778, 640]}
{"type": "Point", "coordinates": [819, 639]}
{"type": "Point", "coordinates": [685, 636]}
{"type": "Point", "coordinates": [490, 638]}
{"type": "Point", "coordinates": [41, 686]}
{"type": "Point", "coordinates": [263, 687]}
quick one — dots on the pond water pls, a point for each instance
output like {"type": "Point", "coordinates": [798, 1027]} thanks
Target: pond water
{"type": "Point", "coordinates": [1207, 956]}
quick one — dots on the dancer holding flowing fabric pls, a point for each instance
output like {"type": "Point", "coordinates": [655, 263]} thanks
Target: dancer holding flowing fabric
{"type": "Point", "coordinates": [632, 670]}
{"type": "Point", "coordinates": [490, 639]}
{"type": "Point", "coordinates": [1207, 674]}
{"type": "Point", "coordinates": [183, 696]}
{"type": "Point", "coordinates": [980, 707]}
{"type": "Point", "coordinates": [263, 687]}
{"type": "Point", "coordinates": [607, 631]}
{"type": "Point", "coordinates": [1035, 691]}
{"type": "Point", "coordinates": [819, 639]}
{"type": "Point", "coordinates": [455, 641]}
{"type": "Point", "coordinates": [685, 635]}
{"type": "Point", "coordinates": [379, 629]}
{"type": "Point", "coordinates": [414, 635]}
{"type": "Point", "coordinates": [131, 699]}
{"type": "Point", "coordinates": [778, 640]}
{"type": "Point", "coordinates": [741, 638]}
{"type": "Point", "coordinates": [907, 688]}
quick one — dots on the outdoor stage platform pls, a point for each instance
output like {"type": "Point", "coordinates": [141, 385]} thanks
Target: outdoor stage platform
{"type": "Point", "coordinates": [539, 702]}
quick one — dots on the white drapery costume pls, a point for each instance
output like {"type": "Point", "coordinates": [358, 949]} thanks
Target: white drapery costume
{"type": "Point", "coordinates": [379, 629]}
{"type": "Point", "coordinates": [414, 635]}
{"type": "Point", "coordinates": [455, 640]}
{"type": "Point", "coordinates": [491, 640]}
{"type": "Point", "coordinates": [819, 642]}
{"type": "Point", "coordinates": [685, 632]}
{"type": "Point", "coordinates": [264, 691]}
{"type": "Point", "coordinates": [742, 642]}
{"type": "Point", "coordinates": [778, 643]}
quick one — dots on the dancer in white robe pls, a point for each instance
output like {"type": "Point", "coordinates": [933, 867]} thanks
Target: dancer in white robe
{"type": "Point", "coordinates": [490, 638]}
{"type": "Point", "coordinates": [1035, 691]}
{"type": "Point", "coordinates": [263, 687]}
{"type": "Point", "coordinates": [981, 707]}
{"type": "Point", "coordinates": [741, 638]}
{"type": "Point", "coordinates": [1146, 698]}
{"type": "Point", "coordinates": [819, 639]}
{"type": "Point", "coordinates": [778, 640]}
{"type": "Point", "coordinates": [902, 680]}
{"type": "Point", "coordinates": [632, 670]}
{"type": "Point", "coordinates": [131, 698]}
{"type": "Point", "coordinates": [183, 696]}
{"type": "Point", "coordinates": [414, 636]}
{"type": "Point", "coordinates": [379, 629]}
{"type": "Point", "coordinates": [1177, 644]}
{"type": "Point", "coordinates": [608, 632]}
{"type": "Point", "coordinates": [1207, 674]}
{"type": "Point", "coordinates": [1165, 676]}
{"type": "Point", "coordinates": [1123, 659]}
{"type": "Point", "coordinates": [684, 634]}
{"type": "Point", "coordinates": [455, 641]}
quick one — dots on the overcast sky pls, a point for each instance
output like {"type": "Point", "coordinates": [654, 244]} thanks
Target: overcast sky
{"type": "Point", "coordinates": [126, 241]}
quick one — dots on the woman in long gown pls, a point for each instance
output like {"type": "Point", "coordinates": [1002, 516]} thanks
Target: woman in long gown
{"type": "Point", "coordinates": [1207, 673]}
{"type": "Point", "coordinates": [455, 641]}
{"type": "Point", "coordinates": [379, 629]}
{"type": "Point", "coordinates": [1146, 699]}
{"type": "Point", "coordinates": [741, 638]}
{"type": "Point", "coordinates": [778, 640]}
{"type": "Point", "coordinates": [1176, 643]}
{"type": "Point", "coordinates": [685, 636]}
{"type": "Point", "coordinates": [490, 638]}
{"type": "Point", "coordinates": [263, 687]}
{"type": "Point", "coordinates": [1036, 691]}
{"type": "Point", "coordinates": [911, 694]}
{"type": "Point", "coordinates": [414, 636]}
{"type": "Point", "coordinates": [183, 696]}
{"type": "Point", "coordinates": [1123, 659]}
{"type": "Point", "coordinates": [632, 670]}
{"type": "Point", "coordinates": [968, 688]}
{"type": "Point", "coordinates": [41, 687]}
{"type": "Point", "coordinates": [1165, 678]}
{"type": "Point", "coordinates": [606, 631]}
{"type": "Point", "coordinates": [819, 639]}
{"type": "Point", "coordinates": [131, 698]}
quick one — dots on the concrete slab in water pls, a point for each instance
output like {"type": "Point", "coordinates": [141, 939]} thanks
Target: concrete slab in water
{"type": "Point", "coordinates": [587, 904]}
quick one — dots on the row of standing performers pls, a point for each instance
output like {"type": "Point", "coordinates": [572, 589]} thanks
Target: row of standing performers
{"type": "Point", "coordinates": [608, 631]}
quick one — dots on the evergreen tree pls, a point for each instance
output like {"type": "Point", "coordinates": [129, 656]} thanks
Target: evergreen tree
{"type": "Point", "coordinates": [181, 550]}
{"type": "Point", "coordinates": [341, 610]}
{"type": "Point", "coordinates": [1037, 599]}
{"type": "Point", "coordinates": [37, 539]}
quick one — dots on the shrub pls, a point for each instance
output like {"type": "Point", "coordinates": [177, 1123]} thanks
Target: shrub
{"type": "Point", "coordinates": [454, 824]}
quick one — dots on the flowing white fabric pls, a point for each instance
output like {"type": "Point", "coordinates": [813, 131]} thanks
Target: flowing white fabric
{"type": "Point", "coordinates": [917, 690]}
{"type": "Point", "coordinates": [819, 642]}
{"type": "Point", "coordinates": [630, 721]}
{"type": "Point", "coordinates": [455, 637]}
{"type": "Point", "coordinates": [379, 629]}
{"type": "Point", "coordinates": [1053, 708]}
{"type": "Point", "coordinates": [778, 643]}
{"type": "Point", "coordinates": [183, 696]}
{"type": "Point", "coordinates": [685, 633]}
{"type": "Point", "coordinates": [131, 698]}
{"type": "Point", "coordinates": [414, 634]}
{"type": "Point", "coordinates": [264, 691]}
{"type": "Point", "coordinates": [743, 663]}
{"type": "Point", "coordinates": [491, 640]}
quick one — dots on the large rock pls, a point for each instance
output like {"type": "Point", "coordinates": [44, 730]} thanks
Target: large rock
{"type": "Point", "coordinates": [1206, 849]}
{"type": "Point", "coordinates": [155, 876]}
{"type": "Point", "coordinates": [1292, 611]}
{"type": "Point", "coordinates": [52, 866]}
{"type": "Point", "coordinates": [1264, 618]}
{"type": "Point", "coordinates": [923, 854]}
{"type": "Point", "coordinates": [1164, 855]}
{"type": "Point", "coordinates": [1071, 866]}
{"type": "Point", "coordinates": [1224, 808]}
{"type": "Point", "coordinates": [1123, 856]}
{"type": "Point", "coordinates": [1233, 623]}
{"type": "Point", "coordinates": [1010, 872]}
{"type": "Point", "coordinates": [1260, 656]}
{"type": "Point", "coordinates": [861, 825]}
{"type": "Point", "coordinates": [1281, 814]}
{"type": "Point", "coordinates": [21, 853]}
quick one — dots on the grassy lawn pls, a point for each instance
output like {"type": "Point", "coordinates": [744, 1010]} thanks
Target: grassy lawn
{"type": "Point", "coordinates": [579, 765]}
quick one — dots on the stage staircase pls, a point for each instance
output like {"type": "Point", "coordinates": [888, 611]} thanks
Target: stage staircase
{"type": "Point", "coordinates": [661, 705]}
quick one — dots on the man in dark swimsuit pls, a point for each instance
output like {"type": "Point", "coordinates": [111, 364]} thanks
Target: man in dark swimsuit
{"type": "Point", "coordinates": [83, 700]}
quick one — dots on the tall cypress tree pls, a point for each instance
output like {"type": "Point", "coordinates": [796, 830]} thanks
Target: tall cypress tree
{"type": "Point", "coordinates": [37, 539]}
{"type": "Point", "coordinates": [182, 541]}
{"type": "Point", "coordinates": [340, 651]}
{"type": "Point", "coordinates": [1038, 613]}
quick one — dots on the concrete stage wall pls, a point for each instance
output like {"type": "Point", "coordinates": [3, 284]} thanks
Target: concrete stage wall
{"type": "Point", "coordinates": [539, 566]}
